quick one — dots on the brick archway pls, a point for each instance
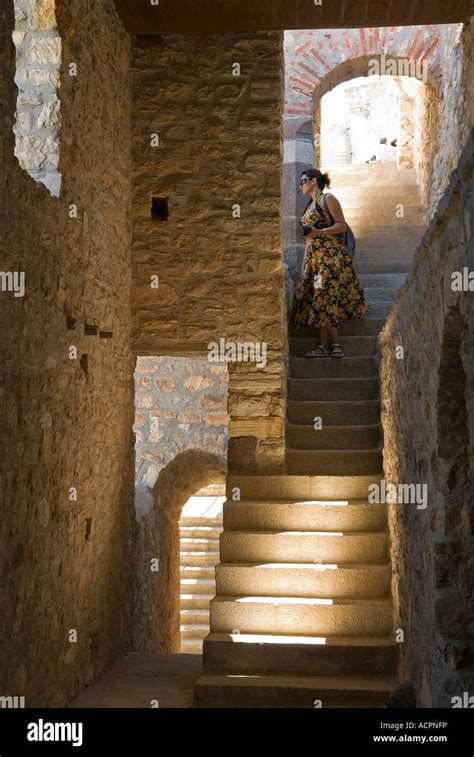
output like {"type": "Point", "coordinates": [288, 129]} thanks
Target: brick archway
{"type": "Point", "coordinates": [354, 68]}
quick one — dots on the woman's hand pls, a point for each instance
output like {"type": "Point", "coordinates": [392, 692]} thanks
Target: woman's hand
{"type": "Point", "coordinates": [315, 233]}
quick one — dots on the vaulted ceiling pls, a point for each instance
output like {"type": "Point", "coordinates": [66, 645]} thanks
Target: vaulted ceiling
{"type": "Point", "coordinates": [151, 17]}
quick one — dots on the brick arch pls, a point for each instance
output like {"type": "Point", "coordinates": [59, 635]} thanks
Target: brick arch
{"type": "Point", "coordinates": [312, 55]}
{"type": "Point", "coordinates": [353, 68]}
{"type": "Point", "coordinates": [185, 475]}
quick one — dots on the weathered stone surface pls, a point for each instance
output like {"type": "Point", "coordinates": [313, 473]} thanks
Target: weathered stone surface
{"type": "Point", "coordinates": [66, 423]}
{"type": "Point", "coordinates": [49, 115]}
{"type": "Point", "coordinates": [34, 153]}
{"type": "Point", "coordinates": [218, 162]}
{"type": "Point", "coordinates": [428, 419]}
{"type": "Point", "coordinates": [45, 50]}
{"type": "Point", "coordinates": [38, 59]}
{"type": "Point", "coordinates": [177, 399]}
{"type": "Point", "coordinates": [44, 16]}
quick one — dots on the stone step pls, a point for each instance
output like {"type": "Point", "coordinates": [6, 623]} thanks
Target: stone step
{"type": "Point", "coordinates": [187, 522]}
{"type": "Point", "coordinates": [387, 230]}
{"type": "Point", "coordinates": [275, 487]}
{"type": "Point", "coordinates": [221, 691]}
{"type": "Point", "coordinates": [197, 585]}
{"type": "Point", "coordinates": [327, 368]}
{"type": "Point", "coordinates": [334, 437]}
{"type": "Point", "coordinates": [307, 515]}
{"type": "Point", "coordinates": [390, 280]}
{"type": "Point", "coordinates": [260, 654]}
{"type": "Point", "coordinates": [301, 616]}
{"type": "Point", "coordinates": [379, 309]}
{"type": "Point", "coordinates": [304, 546]}
{"type": "Point", "coordinates": [333, 388]}
{"type": "Point", "coordinates": [334, 462]}
{"type": "Point", "coordinates": [198, 545]}
{"type": "Point", "coordinates": [384, 256]}
{"type": "Point", "coordinates": [195, 616]}
{"type": "Point", "coordinates": [378, 267]}
{"type": "Point", "coordinates": [199, 558]}
{"type": "Point", "coordinates": [412, 216]}
{"type": "Point", "coordinates": [192, 571]}
{"type": "Point", "coordinates": [374, 168]}
{"type": "Point", "coordinates": [196, 631]}
{"type": "Point", "coordinates": [376, 203]}
{"type": "Point", "coordinates": [334, 413]}
{"type": "Point", "coordinates": [354, 346]}
{"type": "Point", "coordinates": [197, 601]}
{"type": "Point", "coordinates": [399, 242]}
{"type": "Point", "coordinates": [385, 249]}
{"type": "Point", "coordinates": [361, 181]}
{"type": "Point", "coordinates": [381, 294]}
{"type": "Point", "coordinates": [189, 646]}
{"type": "Point", "coordinates": [367, 581]}
{"type": "Point", "coordinates": [200, 532]}
{"type": "Point", "coordinates": [352, 327]}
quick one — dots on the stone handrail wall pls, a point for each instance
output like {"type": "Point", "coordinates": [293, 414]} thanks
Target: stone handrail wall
{"type": "Point", "coordinates": [432, 560]}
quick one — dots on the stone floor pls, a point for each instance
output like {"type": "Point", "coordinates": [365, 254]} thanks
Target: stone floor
{"type": "Point", "coordinates": [141, 677]}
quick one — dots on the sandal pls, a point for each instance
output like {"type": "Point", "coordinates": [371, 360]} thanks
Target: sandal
{"type": "Point", "coordinates": [336, 350]}
{"type": "Point", "coordinates": [318, 352]}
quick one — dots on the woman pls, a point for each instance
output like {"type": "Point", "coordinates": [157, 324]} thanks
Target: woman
{"type": "Point", "coordinates": [329, 290]}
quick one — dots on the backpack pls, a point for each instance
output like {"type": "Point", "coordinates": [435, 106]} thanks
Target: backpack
{"type": "Point", "coordinates": [347, 237]}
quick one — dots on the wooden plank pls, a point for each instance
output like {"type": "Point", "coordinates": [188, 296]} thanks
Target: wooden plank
{"type": "Point", "coordinates": [140, 17]}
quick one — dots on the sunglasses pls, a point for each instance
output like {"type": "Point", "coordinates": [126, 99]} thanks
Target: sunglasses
{"type": "Point", "coordinates": [304, 181]}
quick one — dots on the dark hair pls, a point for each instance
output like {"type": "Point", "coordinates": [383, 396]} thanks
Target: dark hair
{"type": "Point", "coordinates": [322, 178]}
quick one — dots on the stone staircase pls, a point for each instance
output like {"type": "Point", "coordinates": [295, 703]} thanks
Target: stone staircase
{"type": "Point", "coordinates": [303, 615]}
{"type": "Point", "coordinates": [199, 554]}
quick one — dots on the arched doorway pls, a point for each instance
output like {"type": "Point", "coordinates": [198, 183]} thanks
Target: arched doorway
{"type": "Point", "coordinates": [188, 473]}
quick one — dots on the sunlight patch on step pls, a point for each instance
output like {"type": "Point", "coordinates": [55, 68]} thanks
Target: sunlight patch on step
{"type": "Point", "coordinates": [283, 600]}
{"type": "Point", "coordinates": [294, 566]}
{"type": "Point", "coordinates": [322, 502]}
{"type": "Point", "coordinates": [271, 639]}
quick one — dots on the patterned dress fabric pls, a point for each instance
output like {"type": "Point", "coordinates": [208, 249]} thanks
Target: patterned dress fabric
{"type": "Point", "coordinates": [329, 290]}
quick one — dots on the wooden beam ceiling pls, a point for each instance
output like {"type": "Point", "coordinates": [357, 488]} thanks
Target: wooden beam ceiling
{"type": "Point", "coordinates": [142, 18]}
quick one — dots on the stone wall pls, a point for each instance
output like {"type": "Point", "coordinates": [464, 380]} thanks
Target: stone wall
{"type": "Point", "coordinates": [38, 64]}
{"type": "Point", "coordinates": [428, 422]}
{"type": "Point", "coordinates": [180, 404]}
{"type": "Point", "coordinates": [445, 120]}
{"type": "Point", "coordinates": [66, 420]}
{"type": "Point", "coordinates": [207, 263]}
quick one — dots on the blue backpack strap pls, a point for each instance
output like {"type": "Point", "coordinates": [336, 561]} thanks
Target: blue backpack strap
{"type": "Point", "coordinates": [324, 202]}
{"type": "Point", "coordinates": [347, 237]}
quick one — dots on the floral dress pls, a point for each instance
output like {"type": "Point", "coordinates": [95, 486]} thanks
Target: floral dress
{"type": "Point", "coordinates": [330, 290]}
